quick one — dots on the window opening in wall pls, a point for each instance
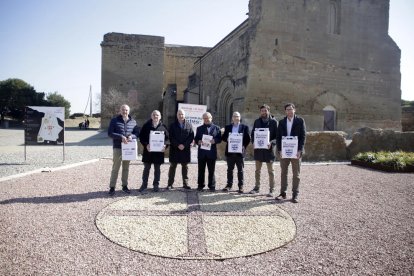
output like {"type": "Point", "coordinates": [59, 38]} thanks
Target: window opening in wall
{"type": "Point", "coordinates": [334, 17]}
{"type": "Point", "coordinates": [149, 64]}
{"type": "Point", "coordinates": [329, 118]}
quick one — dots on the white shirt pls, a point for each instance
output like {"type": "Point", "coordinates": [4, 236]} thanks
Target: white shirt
{"type": "Point", "coordinates": [289, 124]}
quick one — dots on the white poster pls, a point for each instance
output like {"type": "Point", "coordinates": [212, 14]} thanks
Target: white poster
{"type": "Point", "coordinates": [44, 125]}
{"type": "Point", "coordinates": [235, 143]}
{"type": "Point", "coordinates": [261, 138]}
{"type": "Point", "coordinates": [157, 139]}
{"type": "Point", "coordinates": [130, 150]}
{"type": "Point", "coordinates": [206, 142]}
{"type": "Point", "coordinates": [193, 114]}
{"type": "Point", "coordinates": [289, 146]}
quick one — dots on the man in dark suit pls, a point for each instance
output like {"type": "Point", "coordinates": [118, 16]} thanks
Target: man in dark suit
{"type": "Point", "coordinates": [236, 158]}
{"type": "Point", "coordinates": [181, 137]}
{"type": "Point", "coordinates": [291, 125]}
{"type": "Point", "coordinates": [207, 151]}
{"type": "Point", "coordinates": [149, 156]}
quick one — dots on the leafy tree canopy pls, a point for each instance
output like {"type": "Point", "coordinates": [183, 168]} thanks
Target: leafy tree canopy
{"type": "Point", "coordinates": [55, 99]}
{"type": "Point", "coordinates": [16, 94]}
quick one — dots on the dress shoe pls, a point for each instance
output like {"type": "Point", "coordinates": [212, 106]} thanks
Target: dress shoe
{"type": "Point", "coordinates": [126, 190]}
{"type": "Point", "coordinates": [111, 191]}
{"type": "Point", "coordinates": [240, 191]}
{"type": "Point", "coordinates": [170, 187]}
{"type": "Point", "coordinates": [227, 189]}
{"type": "Point", "coordinates": [295, 199]}
{"type": "Point", "coordinates": [281, 196]}
{"type": "Point", "coordinates": [187, 187]}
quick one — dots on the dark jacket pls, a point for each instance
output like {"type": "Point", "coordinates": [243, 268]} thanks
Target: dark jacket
{"type": "Point", "coordinates": [181, 136]}
{"type": "Point", "coordinates": [144, 136]}
{"type": "Point", "coordinates": [216, 133]}
{"type": "Point", "coordinates": [298, 129]}
{"type": "Point", "coordinates": [246, 138]}
{"type": "Point", "coordinates": [266, 155]}
{"type": "Point", "coordinates": [118, 128]}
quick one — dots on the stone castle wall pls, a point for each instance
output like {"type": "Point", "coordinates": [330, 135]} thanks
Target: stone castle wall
{"type": "Point", "coordinates": [355, 71]}
{"type": "Point", "coordinates": [132, 73]}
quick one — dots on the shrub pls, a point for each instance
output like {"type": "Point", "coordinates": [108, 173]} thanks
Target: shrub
{"type": "Point", "coordinates": [397, 160]}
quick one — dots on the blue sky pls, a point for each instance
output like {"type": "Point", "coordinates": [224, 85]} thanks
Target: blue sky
{"type": "Point", "coordinates": [54, 45]}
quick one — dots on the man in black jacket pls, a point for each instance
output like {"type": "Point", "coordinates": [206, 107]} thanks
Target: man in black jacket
{"type": "Point", "coordinates": [236, 158]}
{"type": "Point", "coordinates": [291, 125]}
{"type": "Point", "coordinates": [122, 129]}
{"type": "Point", "coordinates": [181, 136]}
{"type": "Point", "coordinates": [265, 155]}
{"type": "Point", "coordinates": [150, 156]}
{"type": "Point", "coordinates": [207, 151]}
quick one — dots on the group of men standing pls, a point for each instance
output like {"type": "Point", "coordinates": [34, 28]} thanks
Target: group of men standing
{"type": "Point", "coordinates": [179, 139]}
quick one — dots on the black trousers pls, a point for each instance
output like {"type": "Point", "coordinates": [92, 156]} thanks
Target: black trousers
{"type": "Point", "coordinates": [238, 161]}
{"type": "Point", "coordinates": [211, 165]}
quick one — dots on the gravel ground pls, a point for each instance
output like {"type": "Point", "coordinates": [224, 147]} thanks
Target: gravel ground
{"type": "Point", "coordinates": [350, 221]}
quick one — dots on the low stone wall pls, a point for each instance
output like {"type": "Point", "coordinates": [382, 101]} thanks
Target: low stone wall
{"type": "Point", "coordinates": [325, 146]}
{"type": "Point", "coordinates": [331, 145]}
{"type": "Point", "coordinates": [368, 139]}
{"type": "Point", "coordinates": [319, 146]}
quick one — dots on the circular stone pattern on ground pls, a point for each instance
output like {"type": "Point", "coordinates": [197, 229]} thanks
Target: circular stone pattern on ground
{"type": "Point", "coordinates": [192, 225]}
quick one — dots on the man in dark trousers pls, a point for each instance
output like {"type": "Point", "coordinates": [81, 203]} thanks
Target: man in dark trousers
{"type": "Point", "coordinates": [122, 129]}
{"type": "Point", "coordinates": [236, 158]}
{"type": "Point", "coordinates": [291, 125]}
{"type": "Point", "coordinates": [181, 136]}
{"type": "Point", "coordinates": [265, 155]}
{"type": "Point", "coordinates": [207, 151]}
{"type": "Point", "coordinates": [150, 156]}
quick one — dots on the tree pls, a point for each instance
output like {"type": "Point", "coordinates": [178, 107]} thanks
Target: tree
{"type": "Point", "coordinates": [15, 95]}
{"type": "Point", "coordinates": [55, 99]}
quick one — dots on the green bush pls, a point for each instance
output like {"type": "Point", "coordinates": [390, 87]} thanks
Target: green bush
{"type": "Point", "coordinates": [397, 160]}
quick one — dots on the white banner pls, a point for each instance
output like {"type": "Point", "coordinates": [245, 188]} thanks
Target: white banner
{"type": "Point", "coordinates": [261, 138]}
{"type": "Point", "coordinates": [157, 139]}
{"type": "Point", "coordinates": [235, 143]}
{"type": "Point", "coordinates": [289, 146]}
{"type": "Point", "coordinates": [130, 150]}
{"type": "Point", "coordinates": [193, 114]}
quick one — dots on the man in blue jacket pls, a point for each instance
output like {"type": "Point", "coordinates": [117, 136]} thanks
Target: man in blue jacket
{"type": "Point", "coordinates": [122, 129]}
{"type": "Point", "coordinates": [207, 151]}
{"type": "Point", "coordinates": [291, 125]}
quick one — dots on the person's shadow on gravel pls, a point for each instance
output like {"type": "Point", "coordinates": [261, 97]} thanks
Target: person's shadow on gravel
{"type": "Point", "coordinates": [67, 198]}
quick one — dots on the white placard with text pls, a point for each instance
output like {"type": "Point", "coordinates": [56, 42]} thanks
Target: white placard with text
{"type": "Point", "coordinates": [261, 138]}
{"type": "Point", "coordinates": [235, 143]}
{"type": "Point", "coordinates": [157, 139]}
{"type": "Point", "coordinates": [206, 142]}
{"type": "Point", "coordinates": [130, 150]}
{"type": "Point", "coordinates": [289, 146]}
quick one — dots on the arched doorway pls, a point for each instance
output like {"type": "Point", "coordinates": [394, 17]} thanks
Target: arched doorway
{"type": "Point", "coordinates": [329, 118]}
{"type": "Point", "coordinates": [225, 102]}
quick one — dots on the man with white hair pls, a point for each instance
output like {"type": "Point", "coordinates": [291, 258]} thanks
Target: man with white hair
{"type": "Point", "coordinates": [122, 129]}
{"type": "Point", "coordinates": [207, 137]}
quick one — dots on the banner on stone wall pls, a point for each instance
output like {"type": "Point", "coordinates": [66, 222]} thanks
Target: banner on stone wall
{"type": "Point", "coordinates": [44, 125]}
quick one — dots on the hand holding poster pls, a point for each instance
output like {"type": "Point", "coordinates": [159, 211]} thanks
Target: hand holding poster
{"type": "Point", "coordinates": [289, 146]}
{"type": "Point", "coordinates": [235, 143]}
{"type": "Point", "coordinates": [130, 150]}
{"type": "Point", "coordinates": [261, 138]}
{"type": "Point", "coordinates": [206, 142]}
{"type": "Point", "coordinates": [157, 139]}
